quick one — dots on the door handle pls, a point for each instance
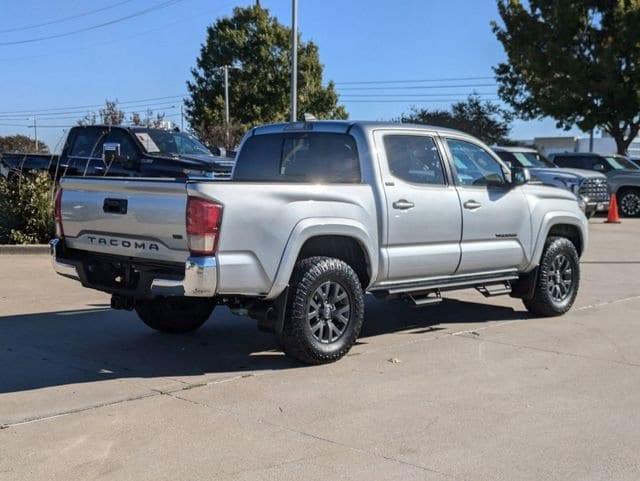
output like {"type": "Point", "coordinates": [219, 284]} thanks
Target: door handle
{"type": "Point", "coordinates": [403, 204]}
{"type": "Point", "coordinates": [472, 205]}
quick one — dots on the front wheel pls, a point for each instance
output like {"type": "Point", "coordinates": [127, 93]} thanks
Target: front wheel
{"type": "Point", "coordinates": [325, 311]}
{"type": "Point", "coordinates": [174, 315]}
{"type": "Point", "coordinates": [629, 201]}
{"type": "Point", "coordinates": [558, 279]}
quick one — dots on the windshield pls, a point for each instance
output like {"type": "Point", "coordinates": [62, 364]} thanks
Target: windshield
{"type": "Point", "coordinates": [532, 159]}
{"type": "Point", "coordinates": [156, 141]}
{"type": "Point", "coordinates": [620, 163]}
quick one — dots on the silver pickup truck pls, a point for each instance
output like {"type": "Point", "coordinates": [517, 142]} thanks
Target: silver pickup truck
{"type": "Point", "coordinates": [315, 215]}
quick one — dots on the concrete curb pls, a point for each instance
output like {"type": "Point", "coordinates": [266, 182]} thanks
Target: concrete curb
{"type": "Point", "coordinates": [24, 249]}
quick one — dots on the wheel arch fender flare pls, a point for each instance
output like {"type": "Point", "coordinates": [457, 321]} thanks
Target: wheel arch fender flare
{"type": "Point", "coordinates": [324, 226]}
{"type": "Point", "coordinates": [550, 220]}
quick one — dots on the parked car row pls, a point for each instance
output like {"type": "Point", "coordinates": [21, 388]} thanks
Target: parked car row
{"type": "Point", "coordinates": [623, 176]}
{"type": "Point", "coordinates": [102, 150]}
{"type": "Point", "coordinates": [590, 186]}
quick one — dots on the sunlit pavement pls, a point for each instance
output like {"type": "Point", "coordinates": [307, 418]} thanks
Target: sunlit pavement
{"type": "Point", "coordinates": [470, 389]}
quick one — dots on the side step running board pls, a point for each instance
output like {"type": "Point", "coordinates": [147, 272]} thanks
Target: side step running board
{"type": "Point", "coordinates": [451, 284]}
{"type": "Point", "coordinates": [495, 289]}
{"type": "Point", "coordinates": [424, 299]}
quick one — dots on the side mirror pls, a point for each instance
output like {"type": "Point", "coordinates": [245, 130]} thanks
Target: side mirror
{"type": "Point", "coordinates": [111, 152]}
{"type": "Point", "coordinates": [599, 167]}
{"type": "Point", "coordinates": [520, 176]}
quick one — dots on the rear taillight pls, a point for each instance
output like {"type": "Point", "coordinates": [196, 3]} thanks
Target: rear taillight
{"type": "Point", "coordinates": [203, 226]}
{"type": "Point", "coordinates": [57, 213]}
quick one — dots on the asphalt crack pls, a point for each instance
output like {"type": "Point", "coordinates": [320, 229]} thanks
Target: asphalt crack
{"type": "Point", "coordinates": [317, 437]}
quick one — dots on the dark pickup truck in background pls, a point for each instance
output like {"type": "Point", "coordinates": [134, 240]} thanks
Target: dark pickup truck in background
{"type": "Point", "coordinates": [135, 152]}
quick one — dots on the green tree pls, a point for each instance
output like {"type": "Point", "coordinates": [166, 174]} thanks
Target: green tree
{"type": "Point", "coordinates": [257, 47]}
{"type": "Point", "coordinates": [21, 143]}
{"type": "Point", "coordinates": [484, 120]}
{"type": "Point", "coordinates": [156, 121]}
{"type": "Point", "coordinates": [577, 61]}
{"type": "Point", "coordinates": [26, 209]}
{"type": "Point", "coordinates": [110, 114]}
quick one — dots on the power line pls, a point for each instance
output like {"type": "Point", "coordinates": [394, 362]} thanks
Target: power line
{"type": "Point", "coordinates": [91, 46]}
{"type": "Point", "coordinates": [64, 19]}
{"type": "Point", "coordinates": [410, 101]}
{"type": "Point", "coordinates": [67, 115]}
{"type": "Point", "coordinates": [63, 110]}
{"type": "Point", "coordinates": [94, 27]}
{"type": "Point", "coordinates": [459, 79]}
{"type": "Point", "coordinates": [420, 87]}
{"type": "Point", "coordinates": [84, 113]}
{"type": "Point", "coordinates": [480, 94]}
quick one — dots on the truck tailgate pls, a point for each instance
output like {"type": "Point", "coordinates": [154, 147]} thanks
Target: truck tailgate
{"type": "Point", "coordinates": [141, 218]}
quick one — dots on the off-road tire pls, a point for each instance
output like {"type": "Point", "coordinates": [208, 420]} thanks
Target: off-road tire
{"type": "Point", "coordinates": [628, 199]}
{"type": "Point", "coordinates": [297, 338]}
{"type": "Point", "coordinates": [543, 302]}
{"type": "Point", "coordinates": [174, 315]}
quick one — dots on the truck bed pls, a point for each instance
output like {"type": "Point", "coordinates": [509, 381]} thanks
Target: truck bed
{"type": "Point", "coordinates": [145, 220]}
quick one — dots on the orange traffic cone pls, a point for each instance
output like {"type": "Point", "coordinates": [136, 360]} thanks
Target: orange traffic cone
{"type": "Point", "coordinates": [613, 217]}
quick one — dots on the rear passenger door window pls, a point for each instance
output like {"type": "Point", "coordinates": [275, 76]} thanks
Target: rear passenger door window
{"type": "Point", "coordinates": [414, 158]}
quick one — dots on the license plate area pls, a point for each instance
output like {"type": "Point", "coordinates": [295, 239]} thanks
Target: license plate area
{"type": "Point", "coordinates": [112, 274]}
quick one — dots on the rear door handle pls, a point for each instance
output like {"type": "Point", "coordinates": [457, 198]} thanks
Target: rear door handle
{"type": "Point", "coordinates": [403, 204]}
{"type": "Point", "coordinates": [472, 205]}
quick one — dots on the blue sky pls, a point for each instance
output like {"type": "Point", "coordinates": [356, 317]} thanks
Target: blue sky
{"type": "Point", "coordinates": [150, 56]}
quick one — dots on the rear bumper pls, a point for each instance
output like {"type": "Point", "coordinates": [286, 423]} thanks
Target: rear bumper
{"type": "Point", "coordinates": [199, 278]}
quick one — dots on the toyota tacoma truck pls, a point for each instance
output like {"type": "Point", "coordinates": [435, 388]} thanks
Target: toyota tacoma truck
{"type": "Point", "coordinates": [315, 215]}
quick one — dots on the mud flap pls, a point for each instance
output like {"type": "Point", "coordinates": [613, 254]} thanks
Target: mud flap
{"type": "Point", "coordinates": [525, 286]}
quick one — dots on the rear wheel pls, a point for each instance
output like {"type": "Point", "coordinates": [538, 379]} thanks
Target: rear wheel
{"type": "Point", "coordinates": [558, 279]}
{"type": "Point", "coordinates": [174, 315]}
{"type": "Point", "coordinates": [629, 202]}
{"type": "Point", "coordinates": [325, 311]}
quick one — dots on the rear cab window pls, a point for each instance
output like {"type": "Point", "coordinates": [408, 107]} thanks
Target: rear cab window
{"type": "Point", "coordinates": [299, 157]}
{"type": "Point", "coordinates": [85, 143]}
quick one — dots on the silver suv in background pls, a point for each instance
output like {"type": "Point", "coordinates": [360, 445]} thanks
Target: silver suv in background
{"type": "Point", "coordinates": [590, 186]}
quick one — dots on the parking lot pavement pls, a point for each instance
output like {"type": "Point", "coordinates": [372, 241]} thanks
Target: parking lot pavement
{"type": "Point", "coordinates": [470, 389]}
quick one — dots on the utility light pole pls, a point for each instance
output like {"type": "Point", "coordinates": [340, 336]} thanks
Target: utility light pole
{"type": "Point", "coordinates": [294, 60]}
{"type": "Point", "coordinates": [35, 134]}
{"type": "Point", "coordinates": [226, 100]}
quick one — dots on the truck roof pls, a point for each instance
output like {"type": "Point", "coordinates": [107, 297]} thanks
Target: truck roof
{"type": "Point", "coordinates": [343, 126]}
{"type": "Point", "coordinates": [126, 127]}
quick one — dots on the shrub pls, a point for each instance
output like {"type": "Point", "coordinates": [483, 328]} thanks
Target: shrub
{"type": "Point", "coordinates": [26, 209]}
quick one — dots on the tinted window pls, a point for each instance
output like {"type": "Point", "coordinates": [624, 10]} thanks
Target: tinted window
{"type": "Point", "coordinates": [85, 143]}
{"type": "Point", "coordinates": [531, 160]}
{"type": "Point", "coordinates": [565, 162]}
{"type": "Point", "coordinates": [578, 162]}
{"type": "Point", "coordinates": [508, 158]}
{"type": "Point", "coordinates": [299, 157]}
{"type": "Point", "coordinates": [118, 136]}
{"type": "Point", "coordinates": [414, 158]}
{"type": "Point", "coordinates": [618, 162]}
{"type": "Point", "coordinates": [170, 142]}
{"type": "Point", "coordinates": [474, 165]}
